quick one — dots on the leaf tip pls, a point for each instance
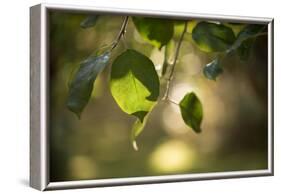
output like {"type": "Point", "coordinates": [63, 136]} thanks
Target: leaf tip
{"type": "Point", "coordinates": [78, 115]}
{"type": "Point", "coordinates": [135, 146]}
{"type": "Point", "coordinates": [82, 26]}
{"type": "Point", "coordinates": [75, 111]}
{"type": "Point", "coordinates": [212, 70]}
{"type": "Point", "coordinates": [160, 46]}
{"type": "Point", "coordinates": [198, 130]}
{"type": "Point", "coordinates": [140, 115]}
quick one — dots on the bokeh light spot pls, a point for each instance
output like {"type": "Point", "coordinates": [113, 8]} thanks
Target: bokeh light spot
{"type": "Point", "coordinates": [172, 156]}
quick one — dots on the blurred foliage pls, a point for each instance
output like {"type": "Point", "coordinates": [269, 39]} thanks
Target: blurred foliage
{"type": "Point", "coordinates": [98, 145]}
{"type": "Point", "coordinates": [89, 21]}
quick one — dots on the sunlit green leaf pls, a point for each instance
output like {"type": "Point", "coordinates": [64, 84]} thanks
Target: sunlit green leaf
{"type": "Point", "coordinates": [89, 21]}
{"type": "Point", "coordinates": [134, 83]}
{"type": "Point", "coordinates": [157, 32]}
{"type": "Point", "coordinates": [211, 37]}
{"type": "Point", "coordinates": [213, 69]}
{"type": "Point", "coordinates": [82, 84]}
{"type": "Point", "coordinates": [192, 111]}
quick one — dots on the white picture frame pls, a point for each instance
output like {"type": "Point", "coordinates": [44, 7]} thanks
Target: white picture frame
{"type": "Point", "coordinates": [39, 138]}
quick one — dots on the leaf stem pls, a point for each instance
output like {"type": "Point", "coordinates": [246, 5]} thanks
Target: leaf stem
{"type": "Point", "coordinates": [260, 34]}
{"type": "Point", "coordinates": [173, 102]}
{"type": "Point", "coordinates": [121, 32]}
{"type": "Point", "coordinates": [170, 78]}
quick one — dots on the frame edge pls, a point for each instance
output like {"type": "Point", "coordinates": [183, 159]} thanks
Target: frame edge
{"type": "Point", "coordinates": [39, 178]}
{"type": "Point", "coordinates": [36, 159]}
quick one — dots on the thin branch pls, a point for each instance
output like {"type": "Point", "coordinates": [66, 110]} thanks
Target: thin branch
{"type": "Point", "coordinates": [166, 95]}
{"type": "Point", "coordinates": [170, 101]}
{"type": "Point", "coordinates": [173, 102]}
{"type": "Point", "coordinates": [121, 32]}
{"type": "Point", "coordinates": [260, 34]}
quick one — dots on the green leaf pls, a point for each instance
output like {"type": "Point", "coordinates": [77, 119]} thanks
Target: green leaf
{"type": "Point", "coordinates": [134, 83]}
{"type": "Point", "coordinates": [211, 37]}
{"type": "Point", "coordinates": [137, 129]}
{"type": "Point", "coordinates": [192, 111]}
{"type": "Point", "coordinates": [244, 50]}
{"type": "Point", "coordinates": [89, 21]}
{"type": "Point", "coordinates": [213, 69]}
{"type": "Point", "coordinates": [82, 84]}
{"type": "Point", "coordinates": [157, 32]}
{"type": "Point", "coordinates": [245, 40]}
{"type": "Point", "coordinates": [247, 32]}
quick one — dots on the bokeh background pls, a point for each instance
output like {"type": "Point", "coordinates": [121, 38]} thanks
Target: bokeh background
{"type": "Point", "coordinates": [234, 127]}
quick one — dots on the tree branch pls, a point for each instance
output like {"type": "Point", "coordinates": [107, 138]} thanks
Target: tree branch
{"type": "Point", "coordinates": [121, 32]}
{"type": "Point", "coordinates": [166, 95]}
{"type": "Point", "coordinates": [173, 102]}
{"type": "Point", "coordinates": [260, 34]}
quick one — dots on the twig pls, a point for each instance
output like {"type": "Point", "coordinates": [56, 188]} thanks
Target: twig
{"type": "Point", "coordinates": [166, 95]}
{"type": "Point", "coordinates": [121, 32]}
{"type": "Point", "coordinates": [168, 100]}
{"type": "Point", "coordinates": [173, 102]}
{"type": "Point", "coordinates": [260, 34]}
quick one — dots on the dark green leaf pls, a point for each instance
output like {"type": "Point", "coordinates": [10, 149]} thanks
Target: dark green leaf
{"type": "Point", "coordinates": [235, 24]}
{"type": "Point", "coordinates": [244, 50]}
{"type": "Point", "coordinates": [157, 32]}
{"type": "Point", "coordinates": [89, 21]}
{"type": "Point", "coordinates": [213, 69]}
{"type": "Point", "coordinates": [211, 37]}
{"type": "Point", "coordinates": [192, 111]}
{"type": "Point", "coordinates": [82, 84]}
{"type": "Point", "coordinates": [134, 83]}
{"type": "Point", "coordinates": [247, 32]}
{"type": "Point", "coordinates": [245, 40]}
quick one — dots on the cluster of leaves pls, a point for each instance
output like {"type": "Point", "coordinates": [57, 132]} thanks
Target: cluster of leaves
{"type": "Point", "coordinates": [134, 82]}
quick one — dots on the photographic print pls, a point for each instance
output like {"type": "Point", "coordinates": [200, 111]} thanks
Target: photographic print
{"type": "Point", "coordinates": [139, 98]}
